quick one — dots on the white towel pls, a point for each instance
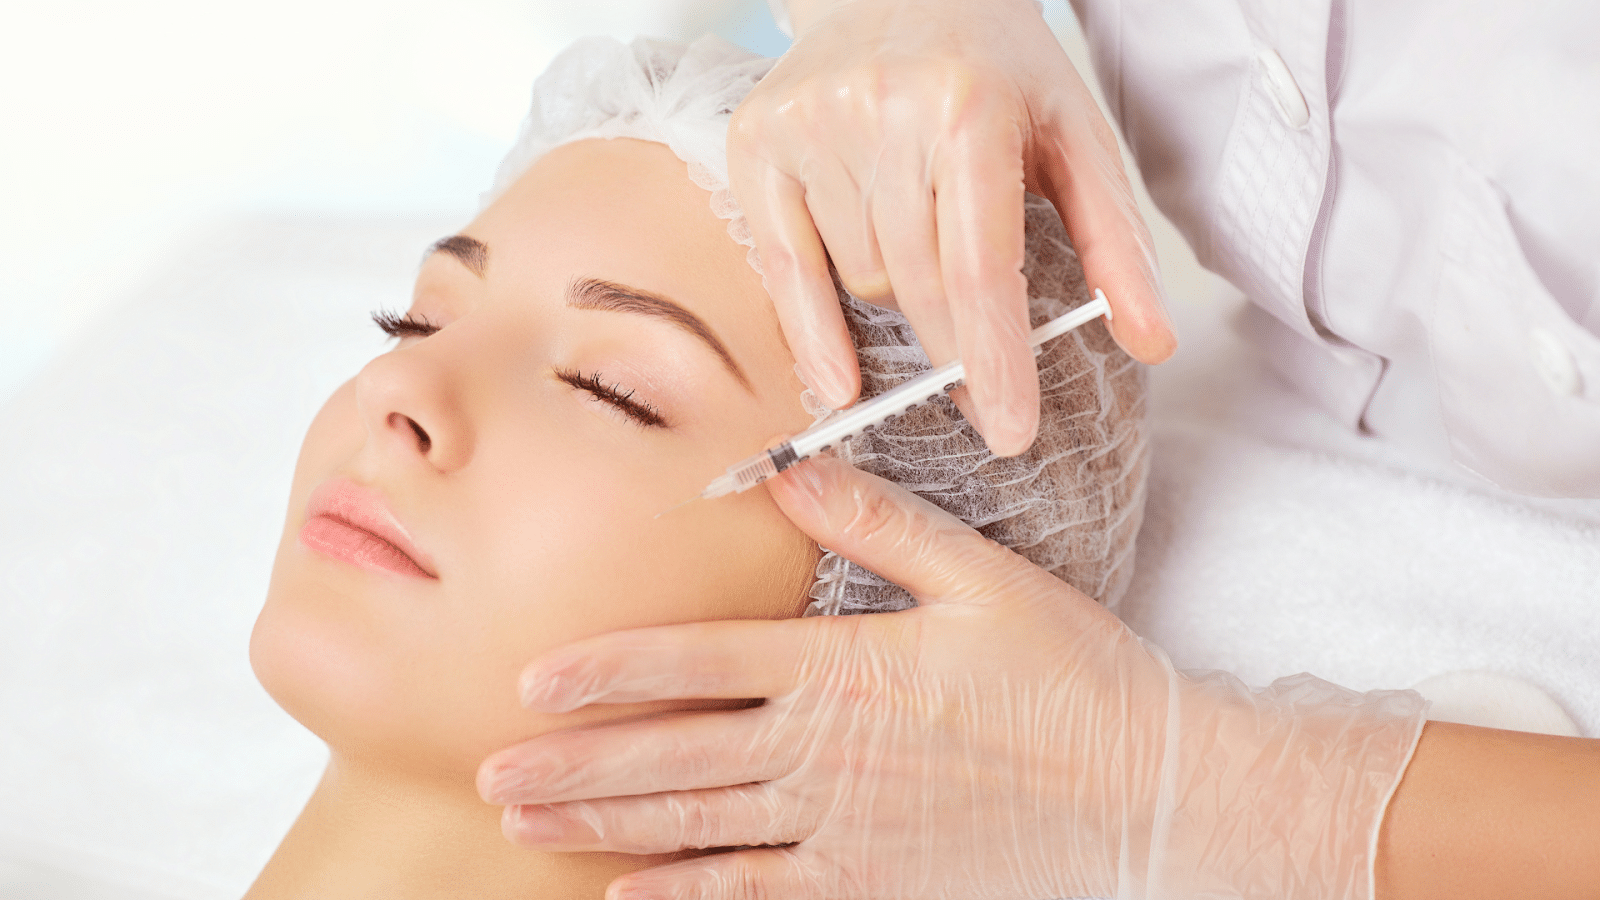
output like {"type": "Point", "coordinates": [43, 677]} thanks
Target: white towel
{"type": "Point", "coordinates": [1277, 541]}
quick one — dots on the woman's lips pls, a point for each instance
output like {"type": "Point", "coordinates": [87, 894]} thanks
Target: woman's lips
{"type": "Point", "coordinates": [353, 524]}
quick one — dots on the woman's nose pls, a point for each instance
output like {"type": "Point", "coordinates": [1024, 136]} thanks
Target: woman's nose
{"type": "Point", "coordinates": [411, 407]}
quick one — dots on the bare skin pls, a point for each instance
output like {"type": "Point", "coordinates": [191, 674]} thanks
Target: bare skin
{"type": "Point", "coordinates": [1483, 813]}
{"type": "Point", "coordinates": [365, 835]}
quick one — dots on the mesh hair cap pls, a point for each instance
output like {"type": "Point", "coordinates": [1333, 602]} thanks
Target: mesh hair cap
{"type": "Point", "coordinates": [681, 95]}
{"type": "Point", "coordinates": [1072, 504]}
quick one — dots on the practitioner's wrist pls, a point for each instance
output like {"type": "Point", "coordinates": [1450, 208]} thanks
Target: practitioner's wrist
{"type": "Point", "coordinates": [1279, 791]}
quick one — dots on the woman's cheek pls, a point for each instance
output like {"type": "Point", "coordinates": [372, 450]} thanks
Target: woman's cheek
{"type": "Point", "coordinates": [624, 582]}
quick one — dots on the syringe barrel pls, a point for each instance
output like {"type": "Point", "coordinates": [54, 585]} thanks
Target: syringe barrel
{"type": "Point", "coordinates": [864, 417]}
{"type": "Point", "coordinates": [867, 415]}
{"type": "Point", "coordinates": [751, 472]}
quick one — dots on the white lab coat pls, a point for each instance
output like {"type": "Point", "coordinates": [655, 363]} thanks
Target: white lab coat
{"type": "Point", "coordinates": [1411, 190]}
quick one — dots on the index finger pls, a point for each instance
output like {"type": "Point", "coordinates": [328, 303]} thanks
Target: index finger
{"type": "Point", "coordinates": [981, 244]}
{"type": "Point", "coordinates": [794, 270]}
{"type": "Point", "coordinates": [700, 660]}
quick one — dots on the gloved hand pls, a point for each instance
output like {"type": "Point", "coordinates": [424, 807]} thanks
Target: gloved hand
{"type": "Point", "coordinates": [1008, 738]}
{"type": "Point", "coordinates": [901, 133]}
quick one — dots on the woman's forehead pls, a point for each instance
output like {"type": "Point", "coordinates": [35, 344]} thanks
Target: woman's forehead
{"type": "Point", "coordinates": [619, 203]}
{"type": "Point", "coordinates": [618, 176]}
{"type": "Point", "coordinates": [624, 211]}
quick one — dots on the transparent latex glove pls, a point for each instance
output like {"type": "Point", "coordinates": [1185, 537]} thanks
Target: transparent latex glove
{"type": "Point", "coordinates": [901, 134]}
{"type": "Point", "coordinates": [1008, 738]}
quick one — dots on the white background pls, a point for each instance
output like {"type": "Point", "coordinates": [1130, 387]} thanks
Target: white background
{"type": "Point", "coordinates": [130, 129]}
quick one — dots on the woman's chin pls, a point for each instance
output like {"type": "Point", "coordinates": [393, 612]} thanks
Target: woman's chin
{"type": "Point", "coordinates": [416, 710]}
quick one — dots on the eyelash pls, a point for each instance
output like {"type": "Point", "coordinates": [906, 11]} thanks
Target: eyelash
{"type": "Point", "coordinates": [398, 326]}
{"type": "Point", "coordinates": [616, 395]}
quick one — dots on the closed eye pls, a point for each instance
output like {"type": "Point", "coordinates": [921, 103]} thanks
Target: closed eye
{"type": "Point", "coordinates": [398, 326]}
{"type": "Point", "coordinates": [616, 395]}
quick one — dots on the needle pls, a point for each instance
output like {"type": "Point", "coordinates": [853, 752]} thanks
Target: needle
{"type": "Point", "coordinates": [678, 506]}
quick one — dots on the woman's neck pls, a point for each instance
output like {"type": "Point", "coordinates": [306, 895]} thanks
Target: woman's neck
{"type": "Point", "coordinates": [366, 834]}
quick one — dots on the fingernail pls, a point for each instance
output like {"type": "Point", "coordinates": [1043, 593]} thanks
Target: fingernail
{"type": "Point", "coordinates": [507, 785]}
{"type": "Point", "coordinates": [808, 377]}
{"type": "Point", "coordinates": [829, 383]}
{"type": "Point", "coordinates": [1007, 430]}
{"type": "Point", "coordinates": [534, 825]}
{"type": "Point", "coordinates": [807, 482]}
{"type": "Point", "coordinates": [545, 693]}
{"type": "Point", "coordinates": [804, 487]}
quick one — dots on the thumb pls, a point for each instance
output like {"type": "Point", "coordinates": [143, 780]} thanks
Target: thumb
{"type": "Point", "coordinates": [893, 532]}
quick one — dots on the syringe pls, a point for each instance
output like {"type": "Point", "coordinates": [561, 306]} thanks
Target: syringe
{"type": "Point", "coordinates": [864, 417]}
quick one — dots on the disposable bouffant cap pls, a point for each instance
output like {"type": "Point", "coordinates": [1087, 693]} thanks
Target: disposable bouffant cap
{"type": "Point", "coordinates": [1071, 504]}
{"type": "Point", "coordinates": [681, 95]}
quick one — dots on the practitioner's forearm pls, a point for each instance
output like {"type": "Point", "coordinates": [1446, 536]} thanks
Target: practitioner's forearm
{"type": "Point", "coordinates": [1486, 813]}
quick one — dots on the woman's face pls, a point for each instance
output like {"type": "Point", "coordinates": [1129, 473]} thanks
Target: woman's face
{"type": "Point", "coordinates": [602, 351]}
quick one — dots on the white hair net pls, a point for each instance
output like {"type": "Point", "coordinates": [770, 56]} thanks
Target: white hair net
{"type": "Point", "coordinates": [1072, 504]}
{"type": "Point", "coordinates": [676, 94]}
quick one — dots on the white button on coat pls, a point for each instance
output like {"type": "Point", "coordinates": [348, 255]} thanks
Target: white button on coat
{"type": "Point", "coordinates": [1285, 93]}
{"type": "Point", "coordinates": [1555, 363]}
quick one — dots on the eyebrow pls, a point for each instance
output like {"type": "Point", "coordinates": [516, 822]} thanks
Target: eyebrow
{"type": "Point", "coordinates": [592, 293]}
{"type": "Point", "coordinates": [473, 253]}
